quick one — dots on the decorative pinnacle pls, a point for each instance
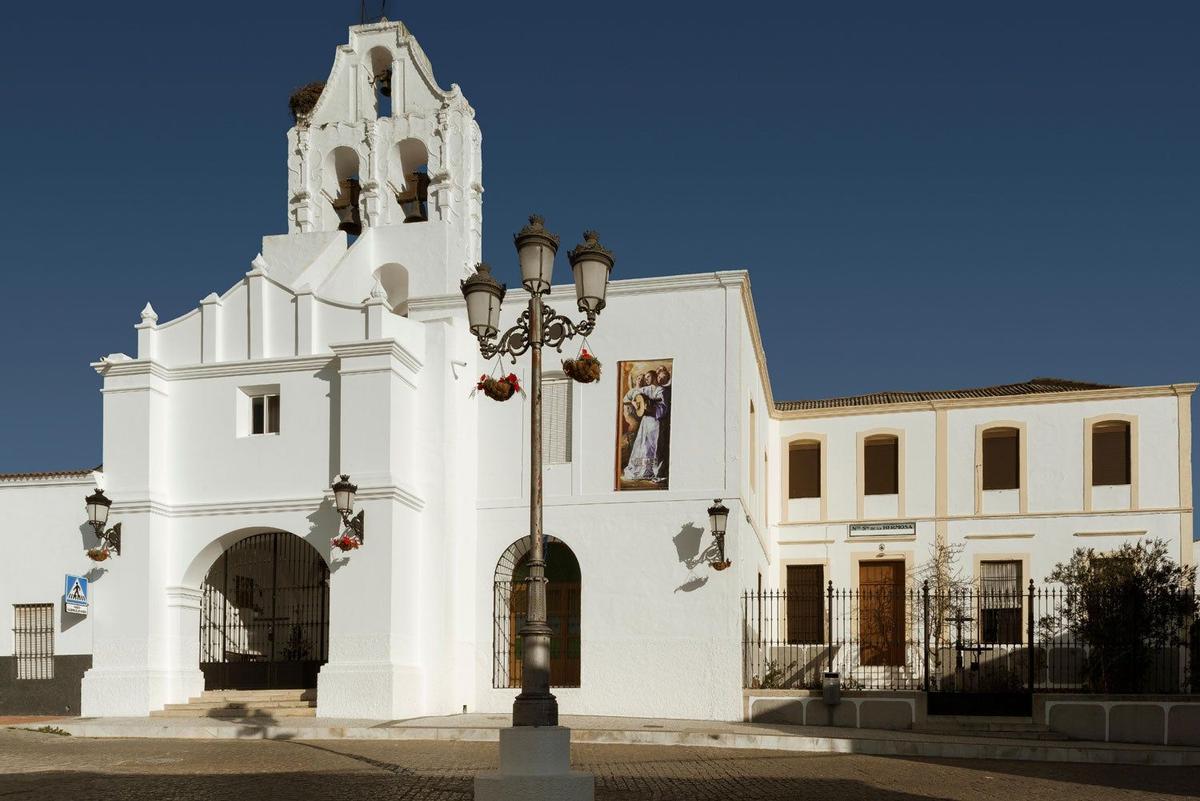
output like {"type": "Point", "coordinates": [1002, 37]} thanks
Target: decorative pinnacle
{"type": "Point", "coordinates": [482, 279]}
{"type": "Point", "coordinates": [149, 315]}
{"type": "Point", "coordinates": [536, 229]}
{"type": "Point", "coordinates": [590, 247]}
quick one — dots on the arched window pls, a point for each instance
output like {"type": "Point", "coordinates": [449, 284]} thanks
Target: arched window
{"type": "Point", "coordinates": [881, 465]}
{"type": "Point", "coordinates": [342, 185]}
{"type": "Point", "coordinates": [393, 277]}
{"type": "Point", "coordinates": [380, 66]}
{"type": "Point", "coordinates": [562, 613]}
{"type": "Point", "coordinates": [1001, 468]}
{"type": "Point", "coordinates": [1111, 462]}
{"type": "Point", "coordinates": [408, 168]}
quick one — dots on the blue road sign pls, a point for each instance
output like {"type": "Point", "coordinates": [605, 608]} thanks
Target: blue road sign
{"type": "Point", "coordinates": [75, 595]}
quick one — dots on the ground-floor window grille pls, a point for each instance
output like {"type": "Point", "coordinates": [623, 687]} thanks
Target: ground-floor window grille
{"type": "Point", "coordinates": [1000, 602]}
{"type": "Point", "coordinates": [33, 637]}
{"type": "Point", "coordinates": [805, 604]}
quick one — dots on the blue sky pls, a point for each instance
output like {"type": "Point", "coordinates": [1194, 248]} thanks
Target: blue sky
{"type": "Point", "coordinates": [951, 194]}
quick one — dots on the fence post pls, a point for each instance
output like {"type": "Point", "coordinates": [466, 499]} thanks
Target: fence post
{"type": "Point", "coordinates": [745, 639]}
{"type": "Point", "coordinates": [925, 632]}
{"type": "Point", "coordinates": [829, 628]}
{"type": "Point", "coordinates": [1029, 639]}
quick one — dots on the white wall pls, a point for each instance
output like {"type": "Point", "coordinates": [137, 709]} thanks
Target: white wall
{"type": "Point", "coordinates": [48, 533]}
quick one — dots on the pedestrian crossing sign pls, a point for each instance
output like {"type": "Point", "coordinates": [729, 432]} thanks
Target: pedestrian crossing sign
{"type": "Point", "coordinates": [75, 595]}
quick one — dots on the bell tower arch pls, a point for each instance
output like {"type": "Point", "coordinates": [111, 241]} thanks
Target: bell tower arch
{"type": "Point", "coordinates": [417, 147]}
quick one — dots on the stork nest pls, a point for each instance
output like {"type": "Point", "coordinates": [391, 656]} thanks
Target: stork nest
{"type": "Point", "coordinates": [304, 99]}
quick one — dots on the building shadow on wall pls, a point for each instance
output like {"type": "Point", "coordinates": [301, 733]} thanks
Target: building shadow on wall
{"type": "Point", "coordinates": [329, 375]}
{"type": "Point", "coordinates": [688, 550]}
{"type": "Point", "coordinates": [323, 525]}
{"type": "Point", "coordinates": [87, 539]}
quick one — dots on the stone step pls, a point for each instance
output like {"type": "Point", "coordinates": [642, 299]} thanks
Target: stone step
{"type": "Point", "coordinates": [988, 726]}
{"type": "Point", "coordinates": [227, 712]}
{"type": "Point", "coordinates": [1009, 734]}
{"type": "Point", "coordinates": [970, 719]}
{"type": "Point", "coordinates": [258, 695]}
{"type": "Point", "coordinates": [218, 704]}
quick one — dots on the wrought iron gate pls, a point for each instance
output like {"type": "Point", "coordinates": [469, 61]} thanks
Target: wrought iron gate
{"type": "Point", "coordinates": [264, 618]}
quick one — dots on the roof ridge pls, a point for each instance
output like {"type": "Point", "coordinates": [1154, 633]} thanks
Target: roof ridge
{"type": "Point", "coordinates": [1036, 385]}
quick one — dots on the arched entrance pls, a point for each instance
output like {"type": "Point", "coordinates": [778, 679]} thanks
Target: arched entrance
{"type": "Point", "coordinates": [264, 617]}
{"type": "Point", "coordinates": [562, 612]}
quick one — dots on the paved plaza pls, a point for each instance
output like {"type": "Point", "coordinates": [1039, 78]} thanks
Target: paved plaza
{"type": "Point", "coordinates": [47, 766]}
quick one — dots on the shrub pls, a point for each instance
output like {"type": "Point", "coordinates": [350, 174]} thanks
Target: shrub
{"type": "Point", "coordinates": [1119, 603]}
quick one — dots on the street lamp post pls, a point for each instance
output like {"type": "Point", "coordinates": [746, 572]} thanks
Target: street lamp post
{"type": "Point", "coordinates": [538, 326]}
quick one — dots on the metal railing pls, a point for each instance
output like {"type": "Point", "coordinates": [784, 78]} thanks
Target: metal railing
{"type": "Point", "coordinates": [967, 640]}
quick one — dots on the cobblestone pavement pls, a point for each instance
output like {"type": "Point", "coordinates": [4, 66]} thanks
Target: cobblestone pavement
{"type": "Point", "coordinates": [47, 766]}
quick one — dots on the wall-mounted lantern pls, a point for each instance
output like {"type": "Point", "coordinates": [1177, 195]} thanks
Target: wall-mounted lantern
{"type": "Point", "coordinates": [97, 511]}
{"type": "Point", "coordinates": [718, 518]}
{"type": "Point", "coordinates": [343, 499]}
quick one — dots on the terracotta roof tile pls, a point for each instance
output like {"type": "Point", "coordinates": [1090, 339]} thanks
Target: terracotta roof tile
{"type": "Point", "coordinates": [1033, 386]}
{"type": "Point", "coordinates": [49, 474]}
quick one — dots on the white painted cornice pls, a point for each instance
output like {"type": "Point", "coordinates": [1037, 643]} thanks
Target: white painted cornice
{"type": "Point", "coordinates": [216, 369]}
{"type": "Point", "coordinates": [131, 367]}
{"type": "Point", "coordinates": [378, 347]}
{"type": "Point", "coordinates": [398, 493]}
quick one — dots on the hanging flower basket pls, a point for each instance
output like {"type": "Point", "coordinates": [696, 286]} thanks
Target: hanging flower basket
{"type": "Point", "coordinates": [499, 389]}
{"type": "Point", "coordinates": [345, 542]}
{"type": "Point", "coordinates": [97, 554]}
{"type": "Point", "coordinates": [585, 369]}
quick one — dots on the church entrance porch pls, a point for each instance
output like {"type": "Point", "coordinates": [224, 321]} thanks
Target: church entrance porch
{"type": "Point", "coordinates": [264, 615]}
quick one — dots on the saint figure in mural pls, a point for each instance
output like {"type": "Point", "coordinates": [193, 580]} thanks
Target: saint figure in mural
{"type": "Point", "coordinates": [644, 422]}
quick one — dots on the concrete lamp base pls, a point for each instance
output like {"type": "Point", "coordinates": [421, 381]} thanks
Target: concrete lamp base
{"type": "Point", "coordinates": [535, 763]}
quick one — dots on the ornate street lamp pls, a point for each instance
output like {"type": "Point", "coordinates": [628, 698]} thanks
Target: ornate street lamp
{"type": "Point", "coordinates": [343, 499]}
{"type": "Point", "coordinates": [718, 518]}
{"type": "Point", "coordinates": [538, 326]}
{"type": "Point", "coordinates": [97, 510]}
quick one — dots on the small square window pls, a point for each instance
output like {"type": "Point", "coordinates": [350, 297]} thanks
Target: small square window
{"type": "Point", "coordinates": [264, 414]}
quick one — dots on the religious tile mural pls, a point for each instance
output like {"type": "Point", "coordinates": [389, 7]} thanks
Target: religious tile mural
{"type": "Point", "coordinates": [643, 424]}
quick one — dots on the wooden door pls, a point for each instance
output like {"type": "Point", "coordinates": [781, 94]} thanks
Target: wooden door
{"type": "Point", "coordinates": [881, 613]}
{"type": "Point", "coordinates": [562, 615]}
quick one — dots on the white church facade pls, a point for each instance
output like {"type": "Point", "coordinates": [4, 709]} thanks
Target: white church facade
{"type": "Point", "coordinates": [344, 350]}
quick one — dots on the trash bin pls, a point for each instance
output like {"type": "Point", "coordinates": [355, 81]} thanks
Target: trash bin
{"type": "Point", "coordinates": [831, 688]}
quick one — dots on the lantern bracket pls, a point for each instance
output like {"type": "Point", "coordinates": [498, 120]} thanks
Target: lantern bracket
{"type": "Point", "coordinates": [556, 329]}
{"type": "Point", "coordinates": [354, 523]}
{"type": "Point", "coordinates": [111, 538]}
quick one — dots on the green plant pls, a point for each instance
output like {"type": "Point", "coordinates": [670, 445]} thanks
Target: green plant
{"type": "Point", "coordinates": [53, 730]}
{"type": "Point", "coordinates": [775, 677]}
{"type": "Point", "coordinates": [1120, 605]}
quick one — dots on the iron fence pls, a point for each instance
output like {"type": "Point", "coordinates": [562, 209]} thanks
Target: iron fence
{"type": "Point", "coordinates": [966, 639]}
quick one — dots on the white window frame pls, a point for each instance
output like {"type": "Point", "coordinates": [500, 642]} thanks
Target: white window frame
{"type": "Point", "coordinates": [247, 397]}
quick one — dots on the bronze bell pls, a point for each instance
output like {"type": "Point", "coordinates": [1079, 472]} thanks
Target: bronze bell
{"type": "Point", "coordinates": [414, 199]}
{"type": "Point", "coordinates": [384, 81]}
{"type": "Point", "coordinates": [346, 206]}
